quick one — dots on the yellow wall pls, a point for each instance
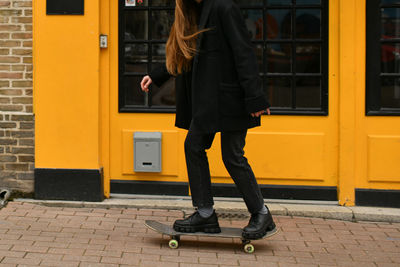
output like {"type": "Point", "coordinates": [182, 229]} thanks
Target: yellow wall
{"type": "Point", "coordinates": [78, 124]}
{"type": "Point", "coordinates": [66, 88]}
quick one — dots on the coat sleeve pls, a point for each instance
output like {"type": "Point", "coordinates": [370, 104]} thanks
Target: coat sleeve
{"type": "Point", "coordinates": [238, 37]}
{"type": "Point", "coordinates": [160, 75]}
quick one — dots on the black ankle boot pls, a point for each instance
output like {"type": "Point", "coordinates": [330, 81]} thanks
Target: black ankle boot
{"type": "Point", "coordinates": [196, 223]}
{"type": "Point", "coordinates": [258, 226]}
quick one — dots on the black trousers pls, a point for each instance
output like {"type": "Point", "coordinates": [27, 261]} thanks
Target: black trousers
{"type": "Point", "coordinates": [232, 144]}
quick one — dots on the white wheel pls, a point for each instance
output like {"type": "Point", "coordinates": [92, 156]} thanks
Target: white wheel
{"type": "Point", "coordinates": [249, 248]}
{"type": "Point", "coordinates": [173, 244]}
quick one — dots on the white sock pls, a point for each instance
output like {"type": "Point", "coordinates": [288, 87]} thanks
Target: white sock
{"type": "Point", "coordinates": [205, 212]}
{"type": "Point", "coordinates": [264, 210]}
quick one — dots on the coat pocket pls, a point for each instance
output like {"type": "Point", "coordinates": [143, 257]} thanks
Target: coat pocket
{"type": "Point", "coordinates": [231, 98]}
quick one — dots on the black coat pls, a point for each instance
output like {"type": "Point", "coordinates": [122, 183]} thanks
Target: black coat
{"type": "Point", "coordinates": [224, 86]}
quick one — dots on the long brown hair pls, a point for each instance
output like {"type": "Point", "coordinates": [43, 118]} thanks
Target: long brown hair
{"type": "Point", "coordinates": [181, 45]}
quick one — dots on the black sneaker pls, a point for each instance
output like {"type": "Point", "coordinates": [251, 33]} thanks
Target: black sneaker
{"type": "Point", "coordinates": [258, 226]}
{"type": "Point", "coordinates": [196, 223]}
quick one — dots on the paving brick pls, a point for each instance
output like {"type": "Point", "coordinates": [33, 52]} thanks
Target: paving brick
{"type": "Point", "coordinates": [59, 263]}
{"type": "Point", "coordinates": [87, 264]}
{"type": "Point", "coordinates": [179, 259]}
{"type": "Point", "coordinates": [29, 248]}
{"type": "Point", "coordinates": [226, 261]}
{"type": "Point", "coordinates": [46, 256]}
{"type": "Point", "coordinates": [315, 261]}
{"type": "Point", "coordinates": [104, 253]}
{"type": "Point", "coordinates": [129, 258]}
{"type": "Point", "coordinates": [21, 261]}
{"type": "Point", "coordinates": [342, 263]}
{"type": "Point", "coordinates": [198, 254]}
{"type": "Point", "coordinates": [245, 263]}
{"type": "Point", "coordinates": [297, 265]}
{"type": "Point", "coordinates": [66, 251]}
{"type": "Point", "coordinates": [147, 263]}
{"type": "Point", "coordinates": [84, 258]}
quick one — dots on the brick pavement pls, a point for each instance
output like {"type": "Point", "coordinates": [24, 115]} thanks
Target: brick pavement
{"type": "Point", "coordinates": [34, 235]}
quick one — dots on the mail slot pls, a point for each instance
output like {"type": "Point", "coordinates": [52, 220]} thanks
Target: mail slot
{"type": "Point", "coordinates": [65, 7]}
{"type": "Point", "coordinates": [147, 151]}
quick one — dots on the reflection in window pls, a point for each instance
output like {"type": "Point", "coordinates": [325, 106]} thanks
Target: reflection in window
{"type": "Point", "coordinates": [254, 22]}
{"type": "Point", "coordinates": [280, 92]}
{"type": "Point", "coordinates": [136, 25]}
{"type": "Point", "coordinates": [279, 58]}
{"type": "Point", "coordinates": [161, 23]}
{"type": "Point", "coordinates": [390, 23]}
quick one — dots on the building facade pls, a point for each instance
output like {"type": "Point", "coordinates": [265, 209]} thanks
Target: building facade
{"type": "Point", "coordinates": [329, 69]}
{"type": "Point", "coordinates": [16, 109]}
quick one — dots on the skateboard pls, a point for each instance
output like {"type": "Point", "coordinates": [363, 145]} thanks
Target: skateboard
{"type": "Point", "coordinates": [226, 232]}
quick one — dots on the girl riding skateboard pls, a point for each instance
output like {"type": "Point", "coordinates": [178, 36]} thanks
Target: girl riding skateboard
{"type": "Point", "coordinates": [218, 89]}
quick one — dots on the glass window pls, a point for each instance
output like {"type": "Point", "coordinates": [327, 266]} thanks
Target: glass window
{"type": "Point", "coordinates": [144, 30]}
{"type": "Point", "coordinates": [383, 57]}
{"type": "Point", "coordinates": [296, 56]}
{"type": "Point", "coordinates": [290, 42]}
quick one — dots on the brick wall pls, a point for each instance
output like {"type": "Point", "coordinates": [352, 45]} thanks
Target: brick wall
{"type": "Point", "coordinates": [16, 117]}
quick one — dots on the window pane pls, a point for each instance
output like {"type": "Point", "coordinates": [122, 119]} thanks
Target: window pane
{"type": "Point", "coordinates": [279, 24]}
{"type": "Point", "coordinates": [164, 95]}
{"type": "Point", "coordinates": [254, 22]}
{"type": "Point", "coordinates": [161, 24]}
{"type": "Point", "coordinates": [133, 94]}
{"type": "Point", "coordinates": [279, 2]}
{"type": "Point", "coordinates": [308, 58]}
{"type": "Point", "coordinates": [279, 91]}
{"type": "Point", "coordinates": [390, 92]}
{"type": "Point", "coordinates": [308, 92]}
{"type": "Point", "coordinates": [390, 61]}
{"type": "Point", "coordinates": [250, 2]}
{"type": "Point", "coordinates": [136, 58]}
{"type": "Point", "coordinates": [390, 23]}
{"type": "Point", "coordinates": [136, 25]}
{"type": "Point", "coordinates": [308, 2]}
{"type": "Point", "coordinates": [308, 24]}
{"type": "Point", "coordinates": [279, 58]}
{"type": "Point", "coordinates": [162, 3]}
{"type": "Point", "coordinates": [158, 53]}
{"type": "Point", "coordinates": [389, 2]}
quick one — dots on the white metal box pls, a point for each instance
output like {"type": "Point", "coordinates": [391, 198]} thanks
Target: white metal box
{"type": "Point", "coordinates": [147, 151]}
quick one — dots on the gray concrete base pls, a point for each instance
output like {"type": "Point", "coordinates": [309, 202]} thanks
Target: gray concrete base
{"type": "Point", "coordinates": [314, 209]}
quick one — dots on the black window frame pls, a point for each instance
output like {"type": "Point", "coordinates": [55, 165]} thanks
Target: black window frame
{"type": "Point", "coordinates": [373, 60]}
{"type": "Point", "coordinates": [324, 57]}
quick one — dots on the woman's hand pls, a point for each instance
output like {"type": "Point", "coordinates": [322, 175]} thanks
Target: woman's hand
{"type": "Point", "coordinates": [145, 83]}
{"type": "Point", "coordinates": [258, 114]}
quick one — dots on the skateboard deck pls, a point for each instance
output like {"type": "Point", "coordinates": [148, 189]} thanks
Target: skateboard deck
{"type": "Point", "coordinates": [226, 232]}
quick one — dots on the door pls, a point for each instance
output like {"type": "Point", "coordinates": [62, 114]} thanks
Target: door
{"type": "Point", "coordinates": [296, 149]}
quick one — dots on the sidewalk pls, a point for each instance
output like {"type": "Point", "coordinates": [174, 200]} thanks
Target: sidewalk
{"type": "Point", "coordinates": [32, 234]}
{"type": "Point", "coordinates": [236, 207]}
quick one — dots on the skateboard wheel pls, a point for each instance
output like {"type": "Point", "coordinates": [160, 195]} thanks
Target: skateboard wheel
{"type": "Point", "coordinates": [249, 248]}
{"type": "Point", "coordinates": [173, 243]}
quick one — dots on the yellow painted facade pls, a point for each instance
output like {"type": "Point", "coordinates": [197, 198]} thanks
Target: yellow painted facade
{"type": "Point", "coordinates": [78, 125]}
